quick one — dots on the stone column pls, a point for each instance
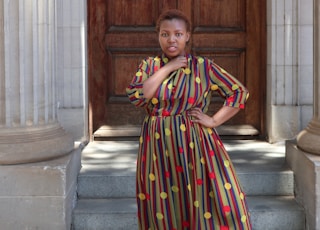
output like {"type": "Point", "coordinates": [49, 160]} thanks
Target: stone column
{"type": "Point", "coordinates": [309, 139]}
{"type": "Point", "coordinates": [29, 130]}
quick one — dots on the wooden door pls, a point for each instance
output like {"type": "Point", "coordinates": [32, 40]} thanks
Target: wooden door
{"type": "Point", "coordinates": [122, 33]}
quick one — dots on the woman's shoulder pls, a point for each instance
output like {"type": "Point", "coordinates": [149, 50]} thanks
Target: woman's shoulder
{"type": "Point", "coordinates": [201, 59]}
{"type": "Point", "coordinates": [151, 59]}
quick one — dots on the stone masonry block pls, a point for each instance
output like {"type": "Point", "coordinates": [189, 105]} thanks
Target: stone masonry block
{"type": "Point", "coordinates": [39, 195]}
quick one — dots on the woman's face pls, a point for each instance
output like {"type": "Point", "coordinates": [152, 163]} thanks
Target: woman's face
{"type": "Point", "coordinates": [173, 37]}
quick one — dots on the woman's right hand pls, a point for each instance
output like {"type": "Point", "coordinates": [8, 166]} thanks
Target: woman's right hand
{"type": "Point", "coordinates": [177, 63]}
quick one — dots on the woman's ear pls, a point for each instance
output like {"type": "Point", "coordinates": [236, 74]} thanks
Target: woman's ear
{"type": "Point", "coordinates": [188, 37]}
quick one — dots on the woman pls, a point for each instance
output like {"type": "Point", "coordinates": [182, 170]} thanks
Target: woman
{"type": "Point", "coordinates": [185, 179]}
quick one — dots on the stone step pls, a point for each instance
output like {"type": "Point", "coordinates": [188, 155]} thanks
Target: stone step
{"type": "Point", "coordinates": [108, 168]}
{"type": "Point", "coordinates": [133, 131]}
{"type": "Point", "coordinates": [267, 212]}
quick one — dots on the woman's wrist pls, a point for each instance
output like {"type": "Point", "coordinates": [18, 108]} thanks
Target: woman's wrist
{"type": "Point", "coordinates": [214, 123]}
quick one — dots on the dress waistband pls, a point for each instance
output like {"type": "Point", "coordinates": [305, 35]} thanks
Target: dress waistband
{"type": "Point", "coordinates": [167, 114]}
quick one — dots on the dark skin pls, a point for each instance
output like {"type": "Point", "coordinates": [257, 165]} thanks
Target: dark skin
{"type": "Point", "coordinates": [173, 37]}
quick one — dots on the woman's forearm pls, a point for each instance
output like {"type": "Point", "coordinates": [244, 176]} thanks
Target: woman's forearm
{"type": "Point", "coordinates": [224, 114]}
{"type": "Point", "coordinates": [151, 85]}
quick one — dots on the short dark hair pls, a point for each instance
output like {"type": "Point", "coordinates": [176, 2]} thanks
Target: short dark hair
{"type": "Point", "coordinates": [173, 14]}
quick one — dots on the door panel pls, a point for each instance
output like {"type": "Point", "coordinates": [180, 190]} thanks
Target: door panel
{"type": "Point", "coordinates": [219, 14]}
{"type": "Point", "coordinates": [231, 32]}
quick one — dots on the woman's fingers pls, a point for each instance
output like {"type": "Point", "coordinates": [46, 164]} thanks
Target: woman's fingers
{"type": "Point", "coordinates": [180, 61]}
{"type": "Point", "coordinates": [195, 112]}
{"type": "Point", "coordinates": [199, 117]}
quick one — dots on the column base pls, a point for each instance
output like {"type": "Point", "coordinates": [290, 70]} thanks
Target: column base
{"type": "Point", "coordinates": [39, 195]}
{"type": "Point", "coordinates": [34, 144]}
{"type": "Point", "coordinates": [308, 139]}
{"type": "Point", "coordinates": [306, 168]}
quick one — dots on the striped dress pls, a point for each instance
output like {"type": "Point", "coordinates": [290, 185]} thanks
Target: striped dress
{"type": "Point", "coordinates": [185, 179]}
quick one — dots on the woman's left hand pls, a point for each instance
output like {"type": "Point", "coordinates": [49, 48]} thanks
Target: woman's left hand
{"type": "Point", "coordinates": [221, 116]}
{"type": "Point", "coordinates": [199, 117]}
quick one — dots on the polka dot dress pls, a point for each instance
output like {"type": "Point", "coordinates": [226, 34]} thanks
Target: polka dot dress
{"type": "Point", "coordinates": [185, 179]}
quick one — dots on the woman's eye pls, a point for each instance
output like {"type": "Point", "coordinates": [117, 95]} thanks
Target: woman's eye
{"type": "Point", "coordinates": [164, 35]}
{"type": "Point", "coordinates": [178, 34]}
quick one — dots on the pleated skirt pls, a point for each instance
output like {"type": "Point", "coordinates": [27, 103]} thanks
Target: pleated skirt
{"type": "Point", "coordinates": [185, 179]}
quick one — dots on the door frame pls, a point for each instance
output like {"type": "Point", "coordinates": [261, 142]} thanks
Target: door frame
{"type": "Point", "coordinates": [97, 89]}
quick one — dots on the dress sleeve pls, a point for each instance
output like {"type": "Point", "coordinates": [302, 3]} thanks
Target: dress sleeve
{"type": "Point", "coordinates": [134, 90]}
{"type": "Point", "coordinates": [230, 88]}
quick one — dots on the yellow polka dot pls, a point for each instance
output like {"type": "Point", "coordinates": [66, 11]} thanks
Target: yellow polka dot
{"type": "Point", "coordinates": [227, 186]}
{"type": "Point", "coordinates": [141, 196]}
{"type": "Point", "coordinates": [198, 80]}
{"type": "Point", "coordinates": [152, 119]}
{"type": "Point", "coordinates": [200, 60]}
{"type": "Point", "coordinates": [159, 216]}
{"type": "Point", "coordinates": [235, 86]}
{"type": "Point", "coordinates": [214, 87]}
{"type": "Point", "coordinates": [138, 74]}
{"type": "Point", "coordinates": [165, 60]}
{"type": "Point", "coordinates": [241, 196]}
{"type": "Point", "coordinates": [154, 101]}
{"type": "Point", "coordinates": [243, 218]}
{"type": "Point", "coordinates": [183, 127]}
{"type": "Point", "coordinates": [165, 81]}
{"type": "Point", "coordinates": [167, 153]}
{"type": "Point", "coordinates": [223, 71]}
{"type": "Point", "coordinates": [163, 195]}
{"type": "Point", "coordinates": [187, 71]}
{"type": "Point", "coordinates": [210, 131]}
{"type": "Point", "coordinates": [154, 157]}
{"type": "Point", "coordinates": [141, 140]}
{"type": "Point", "coordinates": [191, 145]}
{"type": "Point", "coordinates": [167, 132]}
{"type": "Point", "coordinates": [136, 94]}
{"type": "Point", "coordinates": [211, 194]}
{"type": "Point", "coordinates": [247, 96]}
{"type": "Point", "coordinates": [152, 177]}
{"type": "Point", "coordinates": [205, 94]}
{"type": "Point", "coordinates": [207, 215]}
{"type": "Point", "coordinates": [196, 204]}
{"type": "Point", "coordinates": [190, 166]}
{"type": "Point", "coordinates": [175, 188]}
{"type": "Point", "coordinates": [170, 86]}
{"type": "Point", "coordinates": [226, 163]}
{"type": "Point", "coordinates": [202, 161]}
{"type": "Point", "coordinates": [156, 59]}
{"type": "Point", "coordinates": [157, 135]}
{"type": "Point", "coordinates": [189, 187]}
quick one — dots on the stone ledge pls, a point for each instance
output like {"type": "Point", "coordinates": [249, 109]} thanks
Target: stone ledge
{"type": "Point", "coordinates": [47, 178]}
{"type": "Point", "coordinates": [105, 132]}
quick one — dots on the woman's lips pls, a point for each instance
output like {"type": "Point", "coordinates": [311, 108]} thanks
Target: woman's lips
{"type": "Point", "coordinates": [172, 48]}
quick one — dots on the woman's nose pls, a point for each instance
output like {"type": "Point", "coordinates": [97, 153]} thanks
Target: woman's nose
{"type": "Point", "coordinates": [171, 38]}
